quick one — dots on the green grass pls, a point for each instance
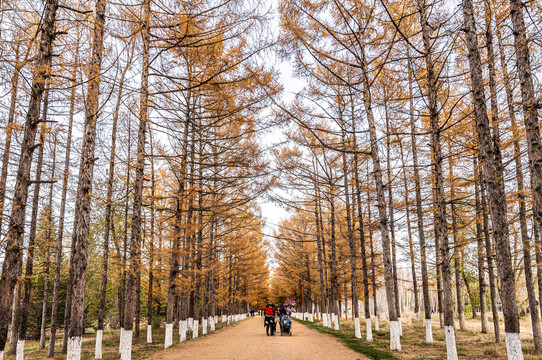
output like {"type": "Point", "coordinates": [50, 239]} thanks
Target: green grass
{"type": "Point", "coordinates": [347, 337]}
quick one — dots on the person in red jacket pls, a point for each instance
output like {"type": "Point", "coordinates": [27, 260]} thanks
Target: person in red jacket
{"type": "Point", "coordinates": [269, 316]}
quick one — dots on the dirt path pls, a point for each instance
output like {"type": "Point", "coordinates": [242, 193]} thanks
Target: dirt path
{"type": "Point", "coordinates": [247, 340]}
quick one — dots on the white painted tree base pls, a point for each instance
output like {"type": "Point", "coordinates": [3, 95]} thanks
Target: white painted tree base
{"type": "Point", "coordinates": [195, 329]}
{"type": "Point", "coordinates": [324, 320]}
{"type": "Point", "coordinates": [20, 350]}
{"type": "Point", "coordinates": [126, 353]}
{"type": "Point", "coordinates": [204, 327]}
{"type": "Point", "coordinates": [149, 334]}
{"type": "Point", "coordinates": [428, 331]}
{"type": "Point", "coordinates": [120, 339]}
{"type": "Point", "coordinates": [98, 347]}
{"type": "Point", "coordinates": [410, 319]}
{"type": "Point", "coordinates": [190, 323]}
{"type": "Point", "coordinates": [369, 329]}
{"type": "Point", "coordinates": [357, 330]}
{"type": "Point", "coordinates": [451, 349]}
{"type": "Point", "coordinates": [2, 355]}
{"type": "Point", "coordinates": [216, 319]}
{"type": "Point", "coordinates": [400, 326]}
{"type": "Point", "coordinates": [224, 318]}
{"type": "Point", "coordinates": [513, 346]}
{"type": "Point", "coordinates": [377, 326]}
{"type": "Point", "coordinates": [212, 321]}
{"type": "Point", "coordinates": [395, 336]}
{"type": "Point", "coordinates": [74, 348]}
{"type": "Point", "coordinates": [169, 336]}
{"type": "Point", "coordinates": [336, 325]}
{"type": "Point", "coordinates": [183, 328]}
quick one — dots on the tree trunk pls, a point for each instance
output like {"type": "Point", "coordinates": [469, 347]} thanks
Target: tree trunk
{"type": "Point", "coordinates": [535, 320]}
{"type": "Point", "coordinates": [84, 188]}
{"type": "Point", "coordinates": [107, 220]}
{"type": "Point", "coordinates": [480, 250]}
{"type": "Point", "coordinates": [23, 325]}
{"type": "Point", "coordinates": [151, 243]}
{"type": "Point", "coordinates": [47, 266]}
{"type": "Point", "coordinates": [410, 242]}
{"type": "Point", "coordinates": [391, 206]}
{"type": "Point", "coordinates": [60, 235]}
{"type": "Point", "coordinates": [493, 177]}
{"type": "Point", "coordinates": [457, 245]}
{"type": "Point", "coordinates": [419, 212]}
{"type": "Point", "coordinates": [395, 340]}
{"type": "Point", "coordinates": [364, 269]}
{"type": "Point", "coordinates": [135, 242]}
{"type": "Point", "coordinates": [9, 131]}
{"type": "Point", "coordinates": [13, 253]}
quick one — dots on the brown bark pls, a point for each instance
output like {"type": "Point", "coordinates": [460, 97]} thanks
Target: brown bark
{"type": "Point", "coordinates": [364, 268]}
{"type": "Point", "coordinates": [135, 242]}
{"type": "Point", "coordinates": [350, 231]}
{"type": "Point", "coordinates": [535, 320]}
{"type": "Point", "coordinates": [419, 209]}
{"type": "Point", "coordinates": [109, 201]}
{"type": "Point", "coordinates": [480, 251]}
{"type": "Point", "coordinates": [13, 253]}
{"type": "Point", "coordinates": [457, 245]}
{"type": "Point", "coordinates": [489, 258]}
{"type": "Point", "coordinates": [86, 171]}
{"type": "Point", "coordinates": [381, 201]}
{"type": "Point", "coordinates": [493, 176]}
{"type": "Point", "coordinates": [9, 131]}
{"type": "Point", "coordinates": [29, 268]}
{"type": "Point", "coordinates": [151, 235]}
{"type": "Point", "coordinates": [441, 227]}
{"type": "Point", "coordinates": [49, 235]}
{"type": "Point", "coordinates": [391, 206]}
{"type": "Point", "coordinates": [60, 234]}
{"type": "Point", "coordinates": [410, 242]}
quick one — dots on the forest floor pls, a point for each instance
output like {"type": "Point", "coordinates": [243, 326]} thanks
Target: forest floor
{"type": "Point", "coordinates": [247, 340]}
{"type": "Point", "coordinates": [471, 344]}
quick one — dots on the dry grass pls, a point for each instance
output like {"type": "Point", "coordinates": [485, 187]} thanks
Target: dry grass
{"type": "Point", "coordinates": [471, 344]}
{"type": "Point", "coordinates": [110, 345]}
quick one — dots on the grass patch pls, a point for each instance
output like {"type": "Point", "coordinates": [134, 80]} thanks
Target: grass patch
{"type": "Point", "coordinates": [347, 338]}
{"type": "Point", "coordinates": [110, 344]}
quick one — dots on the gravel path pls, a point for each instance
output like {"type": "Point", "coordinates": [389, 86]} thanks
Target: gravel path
{"type": "Point", "coordinates": [247, 341]}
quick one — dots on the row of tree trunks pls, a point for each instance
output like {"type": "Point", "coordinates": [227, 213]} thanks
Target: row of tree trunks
{"type": "Point", "coordinates": [494, 179]}
{"type": "Point", "coordinates": [14, 245]}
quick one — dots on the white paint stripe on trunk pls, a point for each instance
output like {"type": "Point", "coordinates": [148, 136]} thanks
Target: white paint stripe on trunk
{"type": "Point", "coordinates": [74, 348]}
{"type": "Point", "coordinates": [2, 355]}
{"type": "Point", "coordinates": [428, 331]}
{"type": "Point", "coordinates": [212, 321]}
{"type": "Point", "coordinates": [169, 336]}
{"type": "Point", "coordinates": [121, 338]}
{"type": "Point", "coordinates": [369, 329]}
{"type": "Point", "coordinates": [377, 326]}
{"type": "Point", "coordinates": [98, 347]}
{"type": "Point", "coordinates": [400, 326]}
{"type": "Point", "coordinates": [195, 329]}
{"type": "Point", "coordinates": [20, 350]}
{"type": "Point", "coordinates": [183, 327]}
{"type": "Point", "coordinates": [513, 346]}
{"type": "Point", "coordinates": [337, 326]}
{"type": "Point", "coordinates": [149, 334]}
{"type": "Point", "coordinates": [190, 323]}
{"type": "Point", "coordinates": [451, 349]}
{"type": "Point", "coordinates": [204, 327]}
{"type": "Point", "coordinates": [395, 337]}
{"type": "Point", "coordinates": [357, 330]}
{"type": "Point", "coordinates": [126, 353]}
